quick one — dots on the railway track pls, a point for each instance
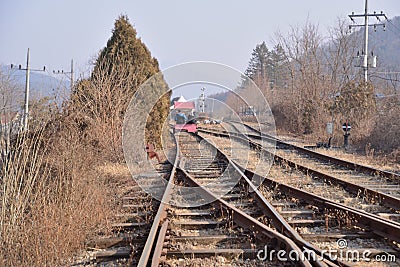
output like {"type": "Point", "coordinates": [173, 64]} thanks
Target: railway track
{"type": "Point", "coordinates": [228, 229]}
{"type": "Point", "coordinates": [331, 176]}
{"type": "Point", "coordinates": [130, 227]}
{"type": "Point", "coordinates": [135, 211]}
{"type": "Point", "coordinates": [305, 154]}
{"type": "Point", "coordinates": [331, 218]}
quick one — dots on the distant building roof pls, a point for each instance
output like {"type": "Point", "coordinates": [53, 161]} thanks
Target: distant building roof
{"type": "Point", "coordinates": [183, 105]}
{"type": "Point", "coordinates": [181, 99]}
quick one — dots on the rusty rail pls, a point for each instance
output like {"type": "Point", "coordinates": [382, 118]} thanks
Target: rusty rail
{"type": "Point", "coordinates": [350, 165]}
{"type": "Point", "coordinates": [385, 199]}
{"type": "Point", "coordinates": [239, 217]}
{"type": "Point", "coordinates": [278, 221]}
{"type": "Point", "coordinates": [248, 222]}
{"type": "Point", "coordinates": [242, 219]}
{"type": "Point", "coordinates": [160, 216]}
{"type": "Point", "coordinates": [379, 225]}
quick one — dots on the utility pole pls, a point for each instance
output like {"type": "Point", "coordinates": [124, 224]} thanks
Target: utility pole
{"type": "Point", "coordinates": [364, 59]}
{"type": "Point", "coordinates": [26, 102]}
{"type": "Point", "coordinates": [26, 106]}
{"type": "Point", "coordinates": [66, 73]}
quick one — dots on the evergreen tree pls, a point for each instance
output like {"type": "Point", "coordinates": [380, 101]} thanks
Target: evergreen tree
{"type": "Point", "coordinates": [121, 67]}
{"type": "Point", "coordinates": [267, 66]}
{"type": "Point", "coordinates": [258, 64]}
{"type": "Point", "coordinates": [277, 67]}
{"type": "Point", "coordinates": [125, 50]}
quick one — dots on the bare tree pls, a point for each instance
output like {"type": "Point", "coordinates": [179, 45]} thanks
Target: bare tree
{"type": "Point", "coordinates": [308, 84]}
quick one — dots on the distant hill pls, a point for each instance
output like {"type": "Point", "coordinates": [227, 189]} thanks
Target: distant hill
{"type": "Point", "coordinates": [41, 84]}
{"type": "Point", "coordinates": [386, 44]}
{"type": "Point", "coordinates": [220, 96]}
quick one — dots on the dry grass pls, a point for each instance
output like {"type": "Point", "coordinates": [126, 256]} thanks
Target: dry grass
{"type": "Point", "coordinates": [377, 161]}
{"type": "Point", "coordinates": [52, 199]}
{"type": "Point", "coordinates": [114, 170]}
{"type": "Point", "coordinates": [375, 136]}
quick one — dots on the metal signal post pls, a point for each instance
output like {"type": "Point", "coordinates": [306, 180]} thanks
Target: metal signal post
{"type": "Point", "coordinates": [346, 129]}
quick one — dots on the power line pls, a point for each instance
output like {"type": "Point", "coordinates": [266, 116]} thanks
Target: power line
{"type": "Point", "coordinates": [10, 107]}
{"type": "Point", "coordinates": [383, 78]}
{"type": "Point", "coordinates": [397, 33]}
{"type": "Point", "coordinates": [388, 72]}
{"type": "Point", "coordinates": [390, 21]}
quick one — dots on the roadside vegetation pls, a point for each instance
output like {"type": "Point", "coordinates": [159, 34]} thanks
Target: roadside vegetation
{"type": "Point", "coordinates": [57, 183]}
{"type": "Point", "coordinates": [309, 80]}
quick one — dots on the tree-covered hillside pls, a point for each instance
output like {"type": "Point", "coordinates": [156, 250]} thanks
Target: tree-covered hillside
{"type": "Point", "coordinates": [386, 44]}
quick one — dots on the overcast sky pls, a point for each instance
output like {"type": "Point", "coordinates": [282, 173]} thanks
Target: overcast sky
{"type": "Point", "coordinates": [175, 31]}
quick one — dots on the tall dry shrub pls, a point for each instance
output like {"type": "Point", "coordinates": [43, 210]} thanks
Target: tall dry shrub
{"type": "Point", "coordinates": [99, 104]}
{"type": "Point", "coordinates": [384, 136]}
{"type": "Point", "coordinates": [316, 69]}
{"type": "Point", "coordinates": [301, 104]}
{"type": "Point", "coordinates": [356, 104]}
{"type": "Point", "coordinates": [51, 198]}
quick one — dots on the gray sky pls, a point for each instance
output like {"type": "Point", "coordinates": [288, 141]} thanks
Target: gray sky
{"type": "Point", "coordinates": [175, 31]}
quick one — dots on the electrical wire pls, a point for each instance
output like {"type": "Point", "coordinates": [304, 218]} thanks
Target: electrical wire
{"type": "Point", "coordinates": [394, 25]}
{"type": "Point", "coordinates": [398, 29]}
{"type": "Point", "coordinates": [387, 72]}
{"type": "Point", "coordinates": [396, 33]}
{"type": "Point", "coordinates": [383, 78]}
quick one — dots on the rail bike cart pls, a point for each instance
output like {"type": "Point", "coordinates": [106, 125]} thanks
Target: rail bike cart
{"type": "Point", "coordinates": [183, 115]}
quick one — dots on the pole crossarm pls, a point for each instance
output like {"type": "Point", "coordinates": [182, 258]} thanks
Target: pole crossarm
{"type": "Point", "coordinates": [369, 25]}
{"type": "Point", "coordinates": [369, 15]}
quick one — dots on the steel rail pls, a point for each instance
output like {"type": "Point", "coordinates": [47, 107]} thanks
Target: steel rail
{"type": "Point", "coordinates": [155, 261]}
{"type": "Point", "coordinates": [348, 164]}
{"type": "Point", "coordinates": [385, 199]}
{"type": "Point", "coordinates": [381, 226]}
{"type": "Point", "coordinates": [278, 221]}
{"type": "Point", "coordinates": [356, 189]}
{"type": "Point", "coordinates": [248, 222]}
{"type": "Point", "coordinates": [161, 214]}
{"type": "Point", "coordinates": [239, 217]}
{"type": "Point", "coordinates": [378, 225]}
